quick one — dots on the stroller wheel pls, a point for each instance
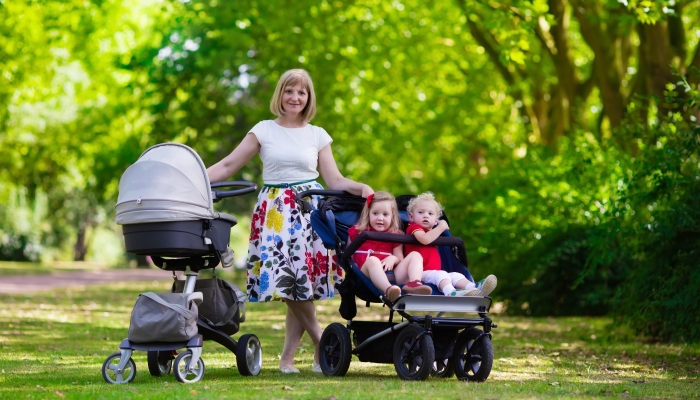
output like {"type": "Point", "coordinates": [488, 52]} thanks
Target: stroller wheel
{"type": "Point", "coordinates": [111, 372]}
{"type": "Point", "coordinates": [249, 355]}
{"type": "Point", "coordinates": [335, 350]}
{"type": "Point", "coordinates": [473, 355]}
{"type": "Point", "coordinates": [160, 363]}
{"type": "Point", "coordinates": [443, 368]}
{"type": "Point", "coordinates": [414, 354]}
{"type": "Point", "coordinates": [184, 372]}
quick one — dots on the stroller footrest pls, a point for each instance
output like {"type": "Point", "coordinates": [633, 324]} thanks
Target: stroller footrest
{"type": "Point", "coordinates": [443, 304]}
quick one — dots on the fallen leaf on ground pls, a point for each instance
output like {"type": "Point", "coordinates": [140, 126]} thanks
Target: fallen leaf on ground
{"type": "Point", "coordinates": [61, 395]}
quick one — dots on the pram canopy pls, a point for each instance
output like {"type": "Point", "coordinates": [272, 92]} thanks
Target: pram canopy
{"type": "Point", "coordinates": [168, 182]}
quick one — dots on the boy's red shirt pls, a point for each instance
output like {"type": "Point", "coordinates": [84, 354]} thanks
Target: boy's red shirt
{"type": "Point", "coordinates": [431, 256]}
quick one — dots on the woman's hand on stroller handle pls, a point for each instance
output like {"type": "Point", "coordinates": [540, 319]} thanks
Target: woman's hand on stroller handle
{"type": "Point", "coordinates": [216, 195]}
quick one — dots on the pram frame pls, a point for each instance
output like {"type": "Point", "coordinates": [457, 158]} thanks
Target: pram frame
{"type": "Point", "coordinates": [188, 367]}
{"type": "Point", "coordinates": [406, 304]}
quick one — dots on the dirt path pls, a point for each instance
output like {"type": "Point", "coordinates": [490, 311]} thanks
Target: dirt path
{"type": "Point", "coordinates": [36, 283]}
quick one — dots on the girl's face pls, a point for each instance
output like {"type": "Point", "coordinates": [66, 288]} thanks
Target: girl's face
{"type": "Point", "coordinates": [294, 99]}
{"type": "Point", "coordinates": [380, 215]}
{"type": "Point", "coordinates": [425, 214]}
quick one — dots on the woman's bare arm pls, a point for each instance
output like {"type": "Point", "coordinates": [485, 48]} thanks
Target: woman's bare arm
{"type": "Point", "coordinates": [334, 179]}
{"type": "Point", "coordinates": [233, 162]}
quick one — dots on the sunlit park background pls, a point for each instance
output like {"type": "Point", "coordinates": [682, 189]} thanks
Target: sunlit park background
{"type": "Point", "coordinates": [560, 135]}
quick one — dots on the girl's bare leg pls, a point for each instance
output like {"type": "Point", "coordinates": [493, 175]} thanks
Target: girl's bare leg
{"type": "Point", "coordinates": [409, 269]}
{"type": "Point", "coordinates": [372, 268]}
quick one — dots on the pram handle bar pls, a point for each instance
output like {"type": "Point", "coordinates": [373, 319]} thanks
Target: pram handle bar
{"type": "Point", "coordinates": [403, 239]}
{"type": "Point", "coordinates": [216, 195]}
{"type": "Point", "coordinates": [306, 206]}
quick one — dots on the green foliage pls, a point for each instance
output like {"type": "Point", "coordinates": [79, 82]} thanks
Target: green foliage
{"type": "Point", "coordinates": [658, 242]}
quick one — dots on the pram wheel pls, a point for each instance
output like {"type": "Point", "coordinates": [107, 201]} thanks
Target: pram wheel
{"type": "Point", "coordinates": [336, 350]}
{"type": "Point", "coordinates": [160, 363]}
{"type": "Point", "coordinates": [473, 355]}
{"type": "Point", "coordinates": [443, 368]}
{"type": "Point", "coordinates": [414, 354]}
{"type": "Point", "coordinates": [113, 375]}
{"type": "Point", "coordinates": [249, 355]}
{"type": "Point", "coordinates": [182, 368]}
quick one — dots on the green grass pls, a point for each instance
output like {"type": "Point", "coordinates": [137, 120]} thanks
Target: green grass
{"type": "Point", "coordinates": [53, 345]}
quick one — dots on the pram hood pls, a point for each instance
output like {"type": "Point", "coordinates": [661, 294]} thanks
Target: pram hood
{"type": "Point", "coordinates": [167, 183]}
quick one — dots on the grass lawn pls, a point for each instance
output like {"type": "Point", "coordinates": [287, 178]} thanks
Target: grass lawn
{"type": "Point", "coordinates": [53, 345]}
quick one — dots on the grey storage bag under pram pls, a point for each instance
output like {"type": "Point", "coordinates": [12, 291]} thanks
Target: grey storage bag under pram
{"type": "Point", "coordinates": [222, 307]}
{"type": "Point", "coordinates": [164, 317]}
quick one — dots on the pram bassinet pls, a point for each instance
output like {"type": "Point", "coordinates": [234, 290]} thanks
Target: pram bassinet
{"type": "Point", "coordinates": [165, 207]}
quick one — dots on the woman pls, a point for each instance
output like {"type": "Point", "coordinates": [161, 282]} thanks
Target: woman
{"type": "Point", "coordinates": [286, 259]}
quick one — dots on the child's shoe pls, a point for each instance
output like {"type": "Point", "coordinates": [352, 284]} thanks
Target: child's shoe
{"type": "Point", "coordinates": [486, 285]}
{"type": "Point", "coordinates": [417, 287]}
{"type": "Point", "coordinates": [465, 292]}
{"type": "Point", "coordinates": [393, 293]}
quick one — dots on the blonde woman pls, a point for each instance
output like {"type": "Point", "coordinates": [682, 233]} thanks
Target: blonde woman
{"type": "Point", "coordinates": [286, 259]}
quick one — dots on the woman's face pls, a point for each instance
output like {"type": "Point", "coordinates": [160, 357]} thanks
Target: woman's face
{"type": "Point", "coordinates": [294, 99]}
{"type": "Point", "coordinates": [380, 215]}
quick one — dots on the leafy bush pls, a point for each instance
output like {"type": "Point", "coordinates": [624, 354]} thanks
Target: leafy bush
{"type": "Point", "coordinates": [14, 247]}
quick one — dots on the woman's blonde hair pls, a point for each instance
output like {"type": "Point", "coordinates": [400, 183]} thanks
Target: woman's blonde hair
{"type": "Point", "coordinates": [425, 196]}
{"type": "Point", "coordinates": [292, 78]}
{"type": "Point", "coordinates": [363, 222]}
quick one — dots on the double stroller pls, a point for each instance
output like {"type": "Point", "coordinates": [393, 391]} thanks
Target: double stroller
{"type": "Point", "coordinates": [165, 207]}
{"type": "Point", "coordinates": [427, 341]}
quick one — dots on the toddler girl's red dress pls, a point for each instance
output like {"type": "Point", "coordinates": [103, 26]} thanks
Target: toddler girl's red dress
{"type": "Point", "coordinates": [381, 250]}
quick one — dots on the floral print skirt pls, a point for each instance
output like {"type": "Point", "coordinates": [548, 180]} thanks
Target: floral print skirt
{"type": "Point", "coordinates": [286, 258]}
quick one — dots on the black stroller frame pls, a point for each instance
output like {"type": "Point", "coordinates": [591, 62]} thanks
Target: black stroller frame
{"type": "Point", "coordinates": [422, 344]}
{"type": "Point", "coordinates": [188, 245]}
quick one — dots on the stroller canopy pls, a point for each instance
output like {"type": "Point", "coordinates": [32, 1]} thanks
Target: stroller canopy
{"type": "Point", "coordinates": [167, 183]}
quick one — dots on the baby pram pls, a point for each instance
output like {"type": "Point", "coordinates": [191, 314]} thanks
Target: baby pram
{"type": "Point", "coordinates": [426, 342]}
{"type": "Point", "coordinates": [165, 207]}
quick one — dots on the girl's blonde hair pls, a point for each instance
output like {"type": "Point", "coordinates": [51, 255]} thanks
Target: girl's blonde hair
{"type": "Point", "coordinates": [292, 78]}
{"type": "Point", "coordinates": [425, 196]}
{"type": "Point", "coordinates": [363, 222]}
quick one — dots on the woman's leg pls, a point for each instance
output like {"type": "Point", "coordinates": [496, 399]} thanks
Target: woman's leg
{"type": "Point", "coordinates": [292, 335]}
{"type": "Point", "coordinates": [303, 318]}
{"type": "Point", "coordinates": [410, 268]}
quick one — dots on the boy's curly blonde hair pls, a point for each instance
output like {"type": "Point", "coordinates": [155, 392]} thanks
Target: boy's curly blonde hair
{"type": "Point", "coordinates": [425, 196]}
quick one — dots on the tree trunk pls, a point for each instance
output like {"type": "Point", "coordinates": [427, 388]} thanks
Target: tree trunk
{"type": "Point", "coordinates": [80, 249]}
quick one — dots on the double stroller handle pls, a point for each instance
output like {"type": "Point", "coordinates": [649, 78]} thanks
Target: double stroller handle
{"type": "Point", "coordinates": [248, 187]}
{"type": "Point", "coordinates": [403, 239]}
{"type": "Point", "coordinates": [306, 206]}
